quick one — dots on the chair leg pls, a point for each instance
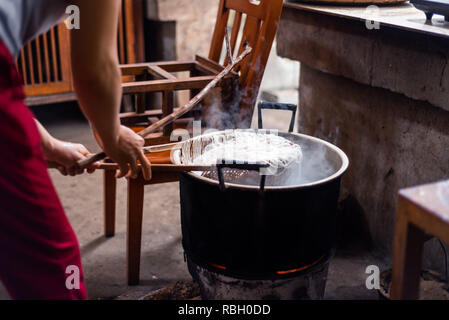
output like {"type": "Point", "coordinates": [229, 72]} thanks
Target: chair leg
{"type": "Point", "coordinates": [407, 258]}
{"type": "Point", "coordinates": [134, 232]}
{"type": "Point", "coordinates": [110, 186]}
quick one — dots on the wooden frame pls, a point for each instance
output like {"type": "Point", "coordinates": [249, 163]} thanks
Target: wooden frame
{"type": "Point", "coordinates": [423, 209]}
{"type": "Point", "coordinates": [255, 24]}
{"type": "Point", "coordinates": [50, 72]}
{"type": "Point", "coordinates": [201, 70]}
{"type": "Point", "coordinates": [45, 62]}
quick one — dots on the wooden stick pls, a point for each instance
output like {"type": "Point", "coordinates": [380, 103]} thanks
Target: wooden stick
{"type": "Point", "coordinates": [165, 167]}
{"type": "Point", "coordinates": [192, 103]}
{"type": "Point", "coordinates": [178, 113]}
{"type": "Point", "coordinates": [162, 148]}
{"type": "Point", "coordinates": [228, 46]}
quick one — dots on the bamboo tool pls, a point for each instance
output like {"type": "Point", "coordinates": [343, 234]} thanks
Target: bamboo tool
{"type": "Point", "coordinates": [162, 148]}
{"type": "Point", "coordinates": [186, 167]}
{"type": "Point", "coordinates": [165, 167]}
{"type": "Point", "coordinates": [230, 58]}
{"type": "Point", "coordinates": [178, 113]}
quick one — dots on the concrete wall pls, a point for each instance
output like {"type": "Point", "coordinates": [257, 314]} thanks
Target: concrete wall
{"type": "Point", "coordinates": [383, 97]}
{"type": "Point", "coordinates": [392, 141]}
{"type": "Point", "coordinates": [195, 20]}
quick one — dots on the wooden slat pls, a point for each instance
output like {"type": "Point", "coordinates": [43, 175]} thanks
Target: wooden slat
{"type": "Point", "coordinates": [134, 69]}
{"type": "Point", "coordinates": [24, 66]}
{"type": "Point", "coordinates": [54, 53]}
{"type": "Point", "coordinates": [163, 85]}
{"type": "Point", "coordinates": [158, 72]}
{"type": "Point", "coordinates": [140, 99]}
{"type": "Point", "coordinates": [167, 109]}
{"type": "Point", "coordinates": [209, 63]}
{"type": "Point", "coordinates": [46, 58]}
{"type": "Point", "coordinates": [129, 32]}
{"type": "Point", "coordinates": [203, 70]}
{"type": "Point", "coordinates": [65, 54]}
{"type": "Point", "coordinates": [256, 11]}
{"type": "Point", "coordinates": [250, 33]}
{"type": "Point", "coordinates": [39, 59]}
{"type": "Point", "coordinates": [133, 13]}
{"type": "Point", "coordinates": [133, 116]}
{"type": "Point", "coordinates": [174, 66]}
{"type": "Point", "coordinates": [41, 99]}
{"type": "Point", "coordinates": [235, 31]}
{"type": "Point", "coordinates": [121, 38]}
{"type": "Point", "coordinates": [30, 63]}
{"type": "Point", "coordinates": [259, 60]}
{"type": "Point", "coordinates": [219, 32]}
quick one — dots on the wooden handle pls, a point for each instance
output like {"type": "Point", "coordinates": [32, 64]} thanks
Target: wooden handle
{"type": "Point", "coordinates": [165, 167]}
{"type": "Point", "coordinates": [178, 113]}
{"type": "Point", "coordinates": [91, 160]}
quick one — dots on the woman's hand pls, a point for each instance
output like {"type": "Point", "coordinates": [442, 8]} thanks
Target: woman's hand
{"type": "Point", "coordinates": [65, 155]}
{"type": "Point", "coordinates": [126, 150]}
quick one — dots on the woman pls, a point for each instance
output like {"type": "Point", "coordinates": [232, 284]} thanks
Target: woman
{"type": "Point", "coordinates": [37, 243]}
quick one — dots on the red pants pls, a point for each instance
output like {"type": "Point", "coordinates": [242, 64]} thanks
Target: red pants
{"type": "Point", "coordinates": [39, 251]}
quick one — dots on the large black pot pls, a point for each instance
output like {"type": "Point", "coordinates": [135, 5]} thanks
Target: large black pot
{"type": "Point", "coordinates": [248, 233]}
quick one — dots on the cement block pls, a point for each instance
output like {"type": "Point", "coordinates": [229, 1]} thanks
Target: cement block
{"type": "Point", "coordinates": [392, 142]}
{"type": "Point", "coordinates": [195, 21]}
{"type": "Point", "coordinates": [406, 62]}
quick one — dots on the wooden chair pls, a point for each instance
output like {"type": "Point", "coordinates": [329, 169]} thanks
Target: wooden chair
{"type": "Point", "coordinates": [44, 63]}
{"type": "Point", "coordinates": [423, 209]}
{"type": "Point", "coordinates": [254, 22]}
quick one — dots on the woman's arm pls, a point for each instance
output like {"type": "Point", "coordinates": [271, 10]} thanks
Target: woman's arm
{"type": "Point", "coordinates": [62, 155]}
{"type": "Point", "coordinates": [97, 80]}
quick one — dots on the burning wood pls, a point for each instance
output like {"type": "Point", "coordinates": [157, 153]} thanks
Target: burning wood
{"type": "Point", "coordinates": [181, 290]}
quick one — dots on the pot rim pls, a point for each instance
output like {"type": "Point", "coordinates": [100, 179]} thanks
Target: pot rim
{"type": "Point", "coordinates": [344, 166]}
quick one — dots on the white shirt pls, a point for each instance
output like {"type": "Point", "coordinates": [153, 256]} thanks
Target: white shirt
{"type": "Point", "coordinates": [23, 20]}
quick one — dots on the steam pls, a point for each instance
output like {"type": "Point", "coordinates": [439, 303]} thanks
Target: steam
{"type": "Point", "coordinates": [230, 106]}
{"type": "Point", "coordinates": [222, 107]}
{"type": "Point", "coordinates": [315, 165]}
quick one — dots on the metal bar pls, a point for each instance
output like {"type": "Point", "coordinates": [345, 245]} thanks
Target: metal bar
{"type": "Point", "coordinates": [277, 106]}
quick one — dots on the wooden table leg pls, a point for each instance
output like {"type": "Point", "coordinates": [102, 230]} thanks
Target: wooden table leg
{"type": "Point", "coordinates": [407, 257]}
{"type": "Point", "coordinates": [110, 185]}
{"type": "Point", "coordinates": [134, 232]}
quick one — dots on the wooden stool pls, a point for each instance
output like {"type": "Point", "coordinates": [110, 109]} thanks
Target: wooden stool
{"type": "Point", "coordinates": [422, 209]}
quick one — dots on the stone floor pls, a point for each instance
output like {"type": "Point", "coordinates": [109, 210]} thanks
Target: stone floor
{"type": "Point", "coordinates": [162, 254]}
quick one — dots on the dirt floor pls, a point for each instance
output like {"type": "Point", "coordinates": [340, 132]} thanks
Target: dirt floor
{"type": "Point", "coordinates": [162, 254]}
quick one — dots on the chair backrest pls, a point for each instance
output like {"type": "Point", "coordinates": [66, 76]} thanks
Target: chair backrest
{"type": "Point", "coordinates": [44, 63]}
{"type": "Point", "coordinates": [255, 22]}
